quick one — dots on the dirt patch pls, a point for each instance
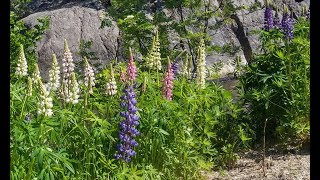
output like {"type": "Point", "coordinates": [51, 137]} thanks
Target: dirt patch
{"type": "Point", "coordinates": [277, 167]}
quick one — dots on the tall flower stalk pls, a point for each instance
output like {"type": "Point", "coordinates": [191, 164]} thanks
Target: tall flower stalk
{"type": "Point", "coordinates": [268, 20]}
{"type": "Point", "coordinates": [54, 74]}
{"type": "Point", "coordinates": [36, 74]}
{"type": "Point", "coordinates": [128, 129]}
{"type": "Point", "coordinates": [201, 63]}
{"type": "Point", "coordinates": [276, 21]}
{"type": "Point", "coordinates": [45, 104]}
{"type": "Point", "coordinates": [131, 68]}
{"type": "Point", "coordinates": [68, 67]}
{"type": "Point", "coordinates": [167, 82]}
{"type": "Point", "coordinates": [153, 60]}
{"type": "Point", "coordinates": [287, 24]}
{"type": "Point", "coordinates": [111, 87]}
{"type": "Point", "coordinates": [22, 66]}
{"type": "Point", "coordinates": [89, 79]}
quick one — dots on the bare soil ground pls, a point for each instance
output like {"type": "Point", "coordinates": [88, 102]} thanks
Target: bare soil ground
{"type": "Point", "coordinates": [277, 167]}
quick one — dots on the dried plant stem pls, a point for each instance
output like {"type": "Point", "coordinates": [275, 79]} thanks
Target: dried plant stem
{"type": "Point", "coordinates": [264, 147]}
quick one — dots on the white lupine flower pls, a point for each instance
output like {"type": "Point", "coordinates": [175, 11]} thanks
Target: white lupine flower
{"type": "Point", "coordinates": [36, 74]}
{"type": "Point", "coordinates": [156, 53]}
{"type": "Point", "coordinates": [201, 63]}
{"type": "Point", "coordinates": [67, 63]}
{"type": "Point", "coordinates": [89, 79]}
{"type": "Point", "coordinates": [29, 91]}
{"type": "Point", "coordinates": [22, 66]}
{"type": "Point", "coordinates": [111, 87]}
{"type": "Point", "coordinates": [185, 66]}
{"type": "Point", "coordinates": [45, 105]}
{"type": "Point", "coordinates": [154, 58]}
{"type": "Point", "coordinates": [74, 90]}
{"type": "Point", "coordinates": [54, 74]}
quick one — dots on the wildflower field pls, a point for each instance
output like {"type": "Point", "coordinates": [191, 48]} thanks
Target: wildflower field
{"type": "Point", "coordinates": [155, 118]}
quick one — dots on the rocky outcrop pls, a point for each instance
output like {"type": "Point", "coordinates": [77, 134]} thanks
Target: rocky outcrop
{"type": "Point", "coordinates": [49, 5]}
{"type": "Point", "coordinates": [75, 24]}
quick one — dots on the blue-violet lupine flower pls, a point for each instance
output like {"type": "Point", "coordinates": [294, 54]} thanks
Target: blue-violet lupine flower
{"type": "Point", "coordinates": [287, 25]}
{"type": "Point", "coordinates": [128, 126]}
{"type": "Point", "coordinates": [268, 21]}
{"type": "Point", "coordinates": [175, 68]}
{"type": "Point", "coordinates": [276, 21]}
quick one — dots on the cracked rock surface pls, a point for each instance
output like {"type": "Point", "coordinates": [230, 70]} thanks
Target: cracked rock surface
{"type": "Point", "coordinates": [74, 23]}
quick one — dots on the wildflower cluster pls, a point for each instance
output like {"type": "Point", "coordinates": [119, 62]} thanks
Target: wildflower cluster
{"type": "Point", "coordinates": [22, 66]}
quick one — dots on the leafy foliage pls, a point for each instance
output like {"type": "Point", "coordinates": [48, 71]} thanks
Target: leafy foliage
{"type": "Point", "coordinates": [277, 84]}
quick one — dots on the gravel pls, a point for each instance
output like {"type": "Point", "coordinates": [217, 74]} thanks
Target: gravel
{"type": "Point", "coordinates": [277, 167]}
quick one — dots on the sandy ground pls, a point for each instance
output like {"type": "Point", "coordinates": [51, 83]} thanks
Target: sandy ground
{"type": "Point", "coordinates": [277, 167]}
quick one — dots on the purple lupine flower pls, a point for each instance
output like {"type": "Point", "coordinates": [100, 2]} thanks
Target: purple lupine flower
{"type": "Point", "coordinates": [276, 21]}
{"type": "Point", "coordinates": [287, 25]}
{"type": "Point", "coordinates": [128, 126]}
{"type": "Point", "coordinates": [175, 68]}
{"type": "Point", "coordinates": [268, 21]}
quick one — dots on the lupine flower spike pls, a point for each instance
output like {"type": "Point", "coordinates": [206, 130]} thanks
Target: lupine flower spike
{"type": "Point", "coordinates": [29, 91]}
{"type": "Point", "coordinates": [131, 68]}
{"type": "Point", "coordinates": [36, 74]}
{"type": "Point", "coordinates": [54, 74]}
{"type": "Point", "coordinates": [67, 66]}
{"type": "Point", "coordinates": [185, 65]}
{"type": "Point", "coordinates": [128, 126]}
{"type": "Point", "coordinates": [150, 58]}
{"type": "Point", "coordinates": [22, 66]}
{"type": "Point", "coordinates": [276, 22]}
{"type": "Point", "coordinates": [111, 86]}
{"type": "Point", "coordinates": [167, 82]}
{"type": "Point", "coordinates": [201, 65]}
{"type": "Point", "coordinates": [174, 67]}
{"type": "Point", "coordinates": [74, 90]}
{"type": "Point", "coordinates": [287, 24]}
{"type": "Point", "coordinates": [45, 104]}
{"type": "Point", "coordinates": [268, 20]}
{"type": "Point", "coordinates": [89, 79]}
{"type": "Point", "coordinates": [122, 76]}
{"type": "Point", "coordinates": [154, 57]}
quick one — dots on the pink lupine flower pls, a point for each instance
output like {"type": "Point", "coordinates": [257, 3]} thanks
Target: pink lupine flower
{"type": "Point", "coordinates": [167, 83]}
{"type": "Point", "coordinates": [122, 76]}
{"type": "Point", "coordinates": [131, 68]}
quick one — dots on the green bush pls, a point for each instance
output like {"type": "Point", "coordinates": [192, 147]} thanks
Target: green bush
{"type": "Point", "coordinates": [277, 85]}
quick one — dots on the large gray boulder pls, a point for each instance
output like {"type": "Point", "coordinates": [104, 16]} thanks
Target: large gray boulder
{"type": "Point", "coordinates": [75, 24]}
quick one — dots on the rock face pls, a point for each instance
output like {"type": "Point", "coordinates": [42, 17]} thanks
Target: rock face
{"type": "Point", "coordinates": [79, 19]}
{"type": "Point", "coordinates": [46, 5]}
{"type": "Point", "coordinates": [75, 24]}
